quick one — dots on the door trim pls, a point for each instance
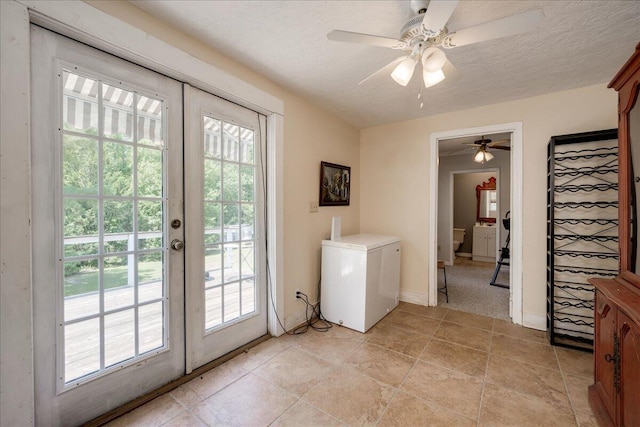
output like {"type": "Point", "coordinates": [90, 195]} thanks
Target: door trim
{"type": "Point", "coordinates": [517, 184]}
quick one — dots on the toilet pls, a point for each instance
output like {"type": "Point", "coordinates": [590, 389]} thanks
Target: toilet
{"type": "Point", "coordinates": [458, 238]}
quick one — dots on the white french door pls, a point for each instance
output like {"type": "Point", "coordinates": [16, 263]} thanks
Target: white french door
{"type": "Point", "coordinates": [111, 229]}
{"type": "Point", "coordinates": [226, 274]}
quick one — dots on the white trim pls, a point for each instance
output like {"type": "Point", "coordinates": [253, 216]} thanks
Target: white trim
{"type": "Point", "coordinates": [414, 297]}
{"type": "Point", "coordinates": [16, 335]}
{"type": "Point", "coordinates": [275, 222]}
{"type": "Point", "coordinates": [517, 184]}
{"type": "Point", "coordinates": [534, 321]}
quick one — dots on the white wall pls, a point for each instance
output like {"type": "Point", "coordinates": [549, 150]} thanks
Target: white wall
{"type": "Point", "coordinates": [394, 161]}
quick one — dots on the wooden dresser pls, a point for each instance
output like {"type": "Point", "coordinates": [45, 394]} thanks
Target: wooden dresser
{"type": "Point", "coordinates": [615, 395]}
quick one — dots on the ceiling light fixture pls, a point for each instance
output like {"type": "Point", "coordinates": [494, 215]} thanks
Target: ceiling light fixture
{"type": "Point", "coordinates": [482, 155]}
{"type": "Point", "coordinates": [404, 71]}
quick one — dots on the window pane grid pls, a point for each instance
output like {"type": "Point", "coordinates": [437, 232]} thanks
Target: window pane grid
{"type": "Point", "coordinates": [229, 206]}
{"type": "Point", "coordinates": [104, 219]}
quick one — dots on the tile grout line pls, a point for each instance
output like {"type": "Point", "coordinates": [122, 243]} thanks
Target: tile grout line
{"type": "Point", "coordinates": [566, 388]}
{"type": "Point", "coordinates": [486, 372]}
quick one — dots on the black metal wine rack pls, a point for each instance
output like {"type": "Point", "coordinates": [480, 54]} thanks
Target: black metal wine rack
{"type": "Point", "coordinates": [582, 230]}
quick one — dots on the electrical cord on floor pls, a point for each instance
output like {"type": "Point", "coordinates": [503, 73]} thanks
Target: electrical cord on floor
{"type": "Point", "coordinates": [312, 320]}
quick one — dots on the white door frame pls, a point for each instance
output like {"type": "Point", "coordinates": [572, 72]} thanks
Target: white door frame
{"type": "Point", "coordinates": [517, 183]}
{"type": "Point", "coordinates": [87, 24]}
{"type": "Point", "coordinates": [451, 205]}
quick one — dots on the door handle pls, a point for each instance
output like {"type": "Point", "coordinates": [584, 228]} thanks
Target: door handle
{"type": "Point", "coordinates": [177, 245]}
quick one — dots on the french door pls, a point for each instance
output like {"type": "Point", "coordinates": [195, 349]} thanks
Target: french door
{"type": "Point", "coordinates": [226, 274]}
{"type": "Point", "coordinates": [109, 222]}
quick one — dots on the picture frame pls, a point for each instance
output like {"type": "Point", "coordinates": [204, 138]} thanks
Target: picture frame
{"type": "Point", "coordinates": [335, 184]}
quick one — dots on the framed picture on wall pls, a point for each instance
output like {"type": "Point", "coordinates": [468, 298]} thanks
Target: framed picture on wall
{"type": "Point", "coordinates": [335, 184]}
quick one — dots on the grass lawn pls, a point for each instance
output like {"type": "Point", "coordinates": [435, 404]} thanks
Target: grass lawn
{"type": "Point", "coordinates": [86, 281]}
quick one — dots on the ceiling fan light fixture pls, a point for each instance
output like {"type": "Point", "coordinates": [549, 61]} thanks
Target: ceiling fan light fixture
{"type": "Point", "coordinates": [404, 71]}
{"type": "Point", "coordinates": [432, 78]}
{"type": "Point", "coordinates": [482, 156]}
{"type": "Point", "coordinates": [433, 59]}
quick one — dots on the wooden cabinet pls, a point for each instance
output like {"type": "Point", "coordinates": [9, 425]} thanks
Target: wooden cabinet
{"type": "Point", "coordinates": [615, 394]}
{"type": "Point", "coordinates": [484, 243]}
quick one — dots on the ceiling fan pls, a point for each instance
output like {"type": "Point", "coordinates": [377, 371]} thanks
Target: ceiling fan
{"type": "Point", "coordinates": [425, 32]}
{"type": "Point", "coordinates": [482, 154]}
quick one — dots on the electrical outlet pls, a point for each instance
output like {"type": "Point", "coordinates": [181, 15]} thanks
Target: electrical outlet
{"type": "Point", "coordinates": [296, 293]}
{"type": "Point", "coordinates": [313, 206]}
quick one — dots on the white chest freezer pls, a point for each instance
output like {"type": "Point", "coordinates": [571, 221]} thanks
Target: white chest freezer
{"type": "Point", "coordinates": [360, 279]}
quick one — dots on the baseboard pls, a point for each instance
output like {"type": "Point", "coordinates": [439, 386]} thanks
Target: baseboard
{"type": "Point", "coordinates": [534, 321]}
{"type": "Point", "coordinates": [297, 318]}
{"type": "Point", "coordinates": [414, 297]}
{"type": "Point", "coordinates": [463, 255]}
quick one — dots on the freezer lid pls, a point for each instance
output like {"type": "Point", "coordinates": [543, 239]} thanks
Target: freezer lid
{"type": "Point", "coordinates": [361, 242]}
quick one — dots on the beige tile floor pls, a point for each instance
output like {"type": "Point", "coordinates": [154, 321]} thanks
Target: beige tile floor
{"type": "Point", "coordinates": [427, 366]}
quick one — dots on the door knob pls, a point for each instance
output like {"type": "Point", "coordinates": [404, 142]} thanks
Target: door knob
{"type": "Point", "coordinates": [177, 244]}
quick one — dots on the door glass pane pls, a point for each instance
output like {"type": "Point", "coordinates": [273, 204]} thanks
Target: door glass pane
{"type": "Point", "coordinates": [117, 112]}
{"type": "Point", "coordinates": [81, 349]}
{"type": "Point", "coordinates": [230, 142]}
{"type": "Point", "coordinates": [80, 165]}
{"type": "Point", "coordinates": [150, 224]}
{"type": "Point", "coordinates": [213, 266]}
{"type": "Point", "coordinates": [118, 169]}
{"type": "Point", "coordinates": [149, 172]}
{"type": "Point", "coordinates": [246, 183]}
{"type": "Point", "coordinates": [150, 326]}
{"type": "Point", "coordinates": [229, 175]}
{"type": "Point", "coordinates": [80, 227]}
{"type": "Point", "coordinates": [212, 137]}
{"type": "Point", "coordinates": [113, 223]}
{"type": "Point", "coordinates": [119, 337]}
{"type": "Point", "coordinates": [150, 121]}
{"type": "Point", "coordinates": [118, 226]}
{"type": "Point", "coordinates": [212, 180]}
{"type": "Point", "coordinates": [246, 146]}
{"type": "Point", "coordinates": [119, 281]}
{"type": "Point", "coordinates": [79, 104]}
{"type": "Point", "coordinates": [231, 301]}
{"type": "Point", "coordinates": [81, 289]}
{"type": "Point", "coordinates": [231, 183]}
{"type": "Point", "coordinates": [248, 296]}
{"type": "Point", "coordinates": [150, 274]}
{"type": "Point", "coordinates": [213, 304]}
{"type": "Point", "coordinates": [230, 219]}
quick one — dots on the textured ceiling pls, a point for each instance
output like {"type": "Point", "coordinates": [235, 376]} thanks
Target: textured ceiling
{"type": "Point", "coordinates": [579, 43]}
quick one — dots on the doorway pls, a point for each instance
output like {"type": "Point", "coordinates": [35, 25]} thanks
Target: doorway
{"type": "Point", "coordinates": [515, 178]}
{"type": "Point", "coordinates": [109, 229]}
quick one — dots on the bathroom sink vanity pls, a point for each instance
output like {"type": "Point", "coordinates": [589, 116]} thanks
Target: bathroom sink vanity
{"type": "Point", "coordinates": [484, 243]}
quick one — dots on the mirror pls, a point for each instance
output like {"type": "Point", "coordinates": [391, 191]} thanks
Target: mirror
{"type": "Point", "coordinates": [487, 201]}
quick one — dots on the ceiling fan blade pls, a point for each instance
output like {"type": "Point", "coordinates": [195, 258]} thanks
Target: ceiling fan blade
{"type": "Point", "coordinates": [437, 14]}
{"type": "Point", "coordinates": [349, 37]}
{"type": "Point", "coordinates": [511, 25]}
{"type": "Point", "coordinates": [500, 143]}
{"type": "Point", "coordinates": [500, 147]}
{"type": "Point", "coordinates": [386, 70]}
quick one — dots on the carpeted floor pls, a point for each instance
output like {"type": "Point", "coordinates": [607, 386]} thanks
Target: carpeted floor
{"type": "Point", "coordinates": [469, 289]}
